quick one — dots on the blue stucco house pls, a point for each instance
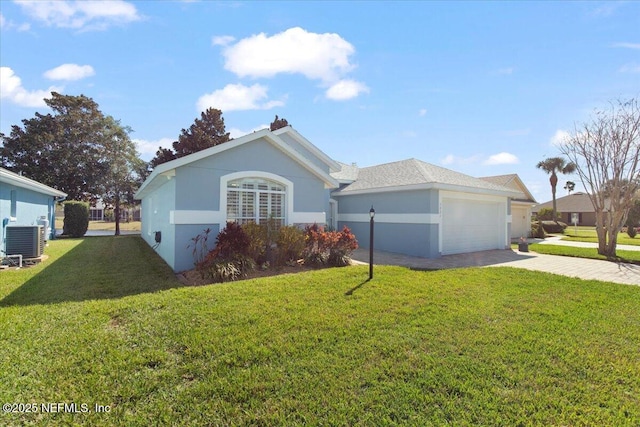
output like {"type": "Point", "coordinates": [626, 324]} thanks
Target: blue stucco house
{"type": "Point", "coordinates": [25, 202]}
{"type": "Point", "coordinates": [261, 175]}
{"type": "Point", "coordinates": [421, 209]}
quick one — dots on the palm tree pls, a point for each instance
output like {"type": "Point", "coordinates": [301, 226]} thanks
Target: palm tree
{"type": "Point", "coordinates": [570, 186]}
{"type": "Point", "coordinates": [552, 166]}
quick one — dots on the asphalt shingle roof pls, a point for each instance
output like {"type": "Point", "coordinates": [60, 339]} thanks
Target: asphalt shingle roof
{"type": "Point", "coordinates": [415, 172]}
{"type": "Point", "coordinates": [576, 202]}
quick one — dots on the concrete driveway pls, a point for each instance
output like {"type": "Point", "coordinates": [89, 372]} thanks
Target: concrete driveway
{"type": "Point", "coordinates": [588, 269]}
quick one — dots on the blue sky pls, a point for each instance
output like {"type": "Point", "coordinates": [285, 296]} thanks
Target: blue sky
{"type": "Point", "coordinates": [483, 88]}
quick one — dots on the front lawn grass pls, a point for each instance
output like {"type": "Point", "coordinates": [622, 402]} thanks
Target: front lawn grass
{"type": "Point", "coordinates": [588, 234]}
{"type": "Point", "coordinates": [572, 251]}
{"type": "Point", "coordinates": [476, 346]}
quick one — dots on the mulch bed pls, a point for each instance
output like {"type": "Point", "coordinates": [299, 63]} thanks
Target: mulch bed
{"type": "Point", "coordinates": [193, 277]}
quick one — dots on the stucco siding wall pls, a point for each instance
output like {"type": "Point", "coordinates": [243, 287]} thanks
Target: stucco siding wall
{"type": "Point", "coordinates": [410, 239]}
{"type": "Point", "coordinates": [30, 206]}
{"type": "Point", "coordinates": [198, 185]}
{"type": "Point", "coordinates": [184, 259]}
{"type": "Point", "coordinates": [405, 221]}
{"type": "Point", "coordinates": [403, 202]}
{"type": "Point", "coordinates": [155, 217]}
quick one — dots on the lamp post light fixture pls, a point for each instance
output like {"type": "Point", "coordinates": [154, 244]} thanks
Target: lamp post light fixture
{"type": "Point", "coordinates": [372, 213]}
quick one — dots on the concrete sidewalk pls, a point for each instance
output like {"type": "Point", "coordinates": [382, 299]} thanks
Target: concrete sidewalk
{"type": "Point", "coordinates": [588, 269]}
{"type": "Point", "coordinates": [557, 240]}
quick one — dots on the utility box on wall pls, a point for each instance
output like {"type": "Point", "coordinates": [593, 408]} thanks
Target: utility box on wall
{"type": "Point", "coordinates": [27, 241]}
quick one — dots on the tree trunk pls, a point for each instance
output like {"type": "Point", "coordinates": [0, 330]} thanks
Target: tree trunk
{"type": "Point", "coordinates": [116, 212]}
{"type": "Point", "coordinates": [554, 182]}
{"type": "Point", "coordinates": [601, 232]}
{"type": "Point", "coordinates": [612, 242]}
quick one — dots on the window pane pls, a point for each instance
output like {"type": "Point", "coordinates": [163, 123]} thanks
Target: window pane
{"type": "Point", "coordinates": [255, 199]}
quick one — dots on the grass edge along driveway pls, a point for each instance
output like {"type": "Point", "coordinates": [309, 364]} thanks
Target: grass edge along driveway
{"type": "Point", "coordinates": [464, 347]}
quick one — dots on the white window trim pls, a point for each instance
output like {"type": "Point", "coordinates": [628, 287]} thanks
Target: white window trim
{"type": "Point", "coordinates": [224, 182]}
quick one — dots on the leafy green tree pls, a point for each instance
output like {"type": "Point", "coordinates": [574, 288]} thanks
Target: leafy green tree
{"type": "Point", "coordinates": [63, 149]}
{"type": "Point", "coordinates": [122, 168]}
{"type": "Point", "coordinates": [163, 155]}
{"type": "Point", "coordinates": [570, 186]}
{"type": "Point", "coordinates": [78, 150]}
{"type": "Point", "coordinates": [553, 166]}
{"type": "Point", "coordinates": [205, 132]}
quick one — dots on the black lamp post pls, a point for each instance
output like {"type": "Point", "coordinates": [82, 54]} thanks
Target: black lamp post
{"type": "Point", "coordinates": [372, 213]}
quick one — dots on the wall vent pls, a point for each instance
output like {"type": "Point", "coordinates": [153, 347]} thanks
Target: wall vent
{"type": "Point", "coordinates": [27, 241]}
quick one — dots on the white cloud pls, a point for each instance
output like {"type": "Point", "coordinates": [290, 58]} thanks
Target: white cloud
{"type": "Point", "coordinates": [238, 97]}
{"type": "Point", "coordinates": [222, 40]}
{"type": "Point", "coordinates": [147, 149]}
{"type": "Point", "coordinates": [627, 45]}
{"type": "Point", "coordinates": [80, 15]}
{"type": "Point", "coordinates": [559, 137]}
{"type": "Point", "coordinates": [11, 89]}
{"type": "Point", "coordinates": [630, 68]}
{"type": "Point", "coordinates": [237, 133]}
{"type": "Point", "coordinates": [346, 89]}
{"type": "Point", "coordinates": [70, 72]}
{"type": "Point", "coordinates": [10, 25]}
{"type": "Point", "coordinates": [422, 112]}
{"type": "Point", "coordinates": [502, 159]}
{"type": "Point", "coordinates": [316, 56]}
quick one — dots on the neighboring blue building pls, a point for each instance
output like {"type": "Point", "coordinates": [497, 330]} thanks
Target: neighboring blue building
{"type": "Point", "coordinates": [421, 209]}
{"type": "Point", "coordinates": [24, 201]}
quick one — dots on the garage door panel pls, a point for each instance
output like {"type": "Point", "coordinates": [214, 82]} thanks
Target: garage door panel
{"type": "Point", "coordinates": [472, 225]}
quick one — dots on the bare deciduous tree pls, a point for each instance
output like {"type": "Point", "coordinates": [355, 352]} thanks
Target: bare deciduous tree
{"type": "Point", "coordinates": [606, 151]}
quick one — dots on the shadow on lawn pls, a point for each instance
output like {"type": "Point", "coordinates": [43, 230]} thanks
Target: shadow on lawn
{"type": "Point", "coordinates": [97, 268]}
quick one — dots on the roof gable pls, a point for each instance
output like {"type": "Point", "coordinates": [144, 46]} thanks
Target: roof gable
{"type": "Point", "coordinates": [512, 181]}
{"type": "Point", "coordinates": [154, 180]}
{"type": "Point", "coordinates": [308, 146]}
{"type": "Point", "coordinates": [20, 181]}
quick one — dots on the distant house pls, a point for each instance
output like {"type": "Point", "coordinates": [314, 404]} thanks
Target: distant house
{"type": "Point", "coordinates": [521, 206]}
{"type": "Point", "coordinates": [420, 209]}
{"type": "Point", "coordinates": [578, 202]}
{"type": "Point", "coordinates": [24, 201]}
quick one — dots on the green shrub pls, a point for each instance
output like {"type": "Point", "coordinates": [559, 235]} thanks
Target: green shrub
{"type": "Point", "coordinates": [229, 259]}
{"type": "Point", "coordinates": [632, 232]}
{"type": "Point", "coordinates": [257, 235]}
{"type": "Point", "coordinates": [342, 244]}
{"type": "Point", "coordinates": [76, 218]}
{"type": "Point", "coordinates": [537, 230]}
{"type": "Point", "coordinates": [330, 248]}
{"type": "Point", "coordinates": [554, 226]}
{"type": "Point", "coordinates": [291, 243]}
{"type": "Point", "coordinates": [546, 214]}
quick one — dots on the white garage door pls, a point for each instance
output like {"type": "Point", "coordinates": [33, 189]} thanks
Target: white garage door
{"type": "Point", "coordinates": [472, 225]}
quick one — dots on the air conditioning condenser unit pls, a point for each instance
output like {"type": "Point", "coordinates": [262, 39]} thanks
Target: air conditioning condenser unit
{"type": "Point", "coordinates": [27, 241]}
